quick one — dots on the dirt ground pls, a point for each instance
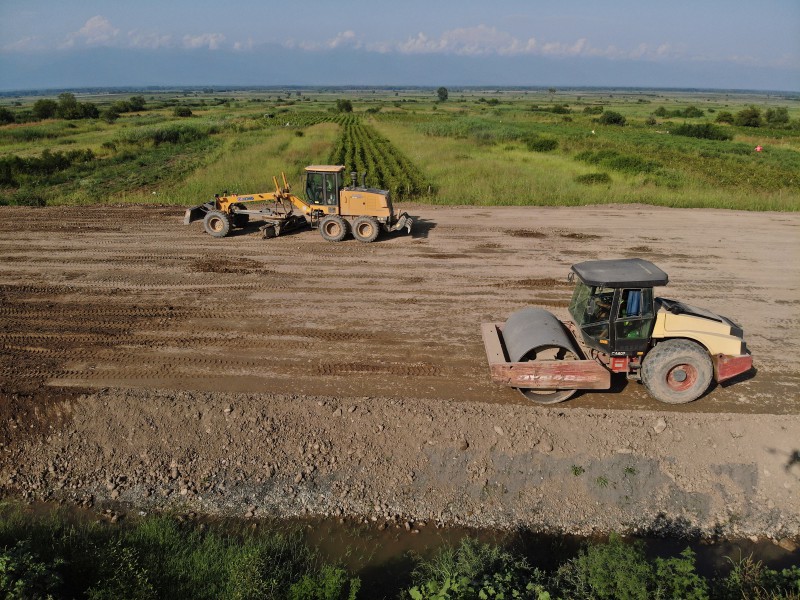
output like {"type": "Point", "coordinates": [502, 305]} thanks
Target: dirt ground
{"type": "Point", "coordinates": [146, 362]}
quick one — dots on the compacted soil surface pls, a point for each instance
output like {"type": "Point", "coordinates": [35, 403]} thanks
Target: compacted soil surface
{"type": "Point", "coordinates": [145, 363]}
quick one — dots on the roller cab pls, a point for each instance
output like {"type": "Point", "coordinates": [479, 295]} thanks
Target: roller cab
{"type": "Point", "coordinates": [617, 326]}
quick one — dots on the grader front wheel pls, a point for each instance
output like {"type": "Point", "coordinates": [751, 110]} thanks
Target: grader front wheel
{"type": "Point", "coordinates": [333, 228]}
{"type": "Point", "coordinates": [217, 224]}
{"type": "Point", "coordinates": [677, 371]}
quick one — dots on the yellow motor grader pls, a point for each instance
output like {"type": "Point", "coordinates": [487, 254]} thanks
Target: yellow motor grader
{"type": "Point", "coordinates": [617, 326]}
{"type": "Point", "coordinates": [335, 209]}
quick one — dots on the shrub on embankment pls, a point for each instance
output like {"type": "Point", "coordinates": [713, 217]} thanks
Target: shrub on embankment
{"type": "Point", "coordinates": [55, 556]}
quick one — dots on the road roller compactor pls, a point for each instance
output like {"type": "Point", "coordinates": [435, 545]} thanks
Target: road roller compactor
{"type": "Point", "coordinates": [617, 326]}
{"type": "Point", "coordinates": [335, 209]}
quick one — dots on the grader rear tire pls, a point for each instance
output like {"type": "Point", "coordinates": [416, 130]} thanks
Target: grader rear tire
{"type": "Point", "coordinates": [217, 224]}
{"type": "Point", "coordinates": [333, 228]}
{"type": "Point", "coordinates": [677, 371]}
{"type": "Point", "coordinates": [366, 229]}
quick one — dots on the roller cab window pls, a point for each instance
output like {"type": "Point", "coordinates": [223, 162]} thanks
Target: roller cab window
{"type": "Point", "coordinates": [591, 308]}
{"type": "Point", "coordinates": [634, 320]}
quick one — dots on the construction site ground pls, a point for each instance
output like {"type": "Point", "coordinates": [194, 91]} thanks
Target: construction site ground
{"type": "Point", "coordinates": [146, 363]}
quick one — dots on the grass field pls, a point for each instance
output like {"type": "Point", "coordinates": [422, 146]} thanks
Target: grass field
{"type": "Point", "coordinates": [485, 147]}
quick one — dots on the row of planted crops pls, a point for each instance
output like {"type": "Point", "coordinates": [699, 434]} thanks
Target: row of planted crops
{"type": "Point", "coordinates": [361, 148]}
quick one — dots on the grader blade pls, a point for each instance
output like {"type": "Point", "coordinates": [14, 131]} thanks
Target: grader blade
{"type": "Point", "coordinates": [197, 213]}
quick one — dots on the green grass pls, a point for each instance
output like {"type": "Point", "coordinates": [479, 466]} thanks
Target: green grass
{"type": "Point", "coordinates": [58, 556]}
{"type": "Point", "coordinates": [246, 163]}
{"type": "Point", "coordinates": [481, 147]}
{"type": "Point", "coordinates": [49, 553]}
{"type": "Point", "coordinates": [644, 166]}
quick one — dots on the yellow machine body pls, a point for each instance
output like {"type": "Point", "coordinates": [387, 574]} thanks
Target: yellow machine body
{"type": "Point", "coordinates": [337, 209]}
{"type": "Point", "coordinates": [717, 336]}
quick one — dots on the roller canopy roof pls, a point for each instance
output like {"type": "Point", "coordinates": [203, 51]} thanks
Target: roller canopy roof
{"type": "Point", "coordinates": [623, 272]}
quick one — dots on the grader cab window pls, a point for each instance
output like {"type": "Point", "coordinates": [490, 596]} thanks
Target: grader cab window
{"type": "Point", "coordinates": [323, 188]}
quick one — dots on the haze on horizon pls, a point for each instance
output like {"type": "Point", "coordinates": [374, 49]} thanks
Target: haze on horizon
{"type": "Point", "coordinates": [50, 44]}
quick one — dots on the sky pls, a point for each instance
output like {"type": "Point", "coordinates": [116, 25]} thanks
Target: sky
{"type": "Point", "coordinates": [722, 44]}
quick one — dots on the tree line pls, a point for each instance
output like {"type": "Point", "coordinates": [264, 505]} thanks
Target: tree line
{"type": "Point", "coordinates": [67, 107]}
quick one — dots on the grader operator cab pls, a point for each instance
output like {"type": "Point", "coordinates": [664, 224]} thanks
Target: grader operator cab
{"type": "Point", "coordinates": [335, 209]}
{"type": "Point", "coordinates": [617, 326]}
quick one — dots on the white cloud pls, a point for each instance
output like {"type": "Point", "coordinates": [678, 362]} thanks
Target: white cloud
{"type": "Point", "coordinates": [469, 41]}
{"type": "Point", "coordinates": [211, 41]}
{"type": "Point", "coordinates": [485, 40]}
{"type": "Point", "coordinates": [97, 31]}
{"type": "Point", "coordinates": [26, 44]}
{"type": "Point", "coordinates": [247, 45]}
{"type": "Point", "coordinates": [343, 39]}
{"type": "Point", "coordinates": [560, 49]}
{"type": "Point", "coordinates": [149, 40]}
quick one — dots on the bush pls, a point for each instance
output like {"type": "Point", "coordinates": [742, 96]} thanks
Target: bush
{"type": "Point", "coordinates": [593, 110]}
{"type": "Point", "coordinates": [111, 115]}
{"type": "Point", "coordinates": [611, 159]}
{"type": "Point", "coordinates": [344, 106]}
{"type": "Point", "coordinates": [476, 570]}
{"type": "Point", "coordinates": [724, 117]}
{"type": "Point", "coordinates": [45, 108]}
{"type": "Point", "coordinates": [593, 178]}
{"type": "Point", "coordinates": [330, 583]}
{"type": "Point", "coordinates": [691, 112]}
{"type": "Point", "coordinates": [777, 116]}
{"type": "Point", "coordinates": [751, 579]}
{"type": "Point", "coordinates": [69, 108]}
{"type": "Point", "coordinates": [182, 111]}
{"type": "Point", "coordinates": [27, 197]}
{"type": "Point", "coordinates": [14, 169]}
{"type": "Point", "coordinates": [541, 144]}
{"type": "Point", "coordinates": [6, 116]}
{"type": "Point", "coordinates": [620, 570]}
{"type": "Point", "coordinates": [748, 117]}
{"type": "Point", "coordinates": [705, 131]}
{"type": "Point", "coordinates": [23, 575]}
{"type": "Point", "coordinates": [611, 118]}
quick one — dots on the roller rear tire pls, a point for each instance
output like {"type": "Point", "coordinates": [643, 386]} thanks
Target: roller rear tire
{"type": "Point", "coordinates": [677, 371]}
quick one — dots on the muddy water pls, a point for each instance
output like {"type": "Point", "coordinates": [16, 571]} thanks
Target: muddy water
{"type": "Point", "coordinates": [384, 559]}
{"type": "Point", "coordinates": [361, 546]}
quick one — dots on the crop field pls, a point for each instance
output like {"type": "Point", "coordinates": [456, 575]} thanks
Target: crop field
{"type": "Point", "coordinates": [479, 147]}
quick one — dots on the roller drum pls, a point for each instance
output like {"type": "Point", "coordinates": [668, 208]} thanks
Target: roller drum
{"type": "Point", "coordinates": [530, 329]}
